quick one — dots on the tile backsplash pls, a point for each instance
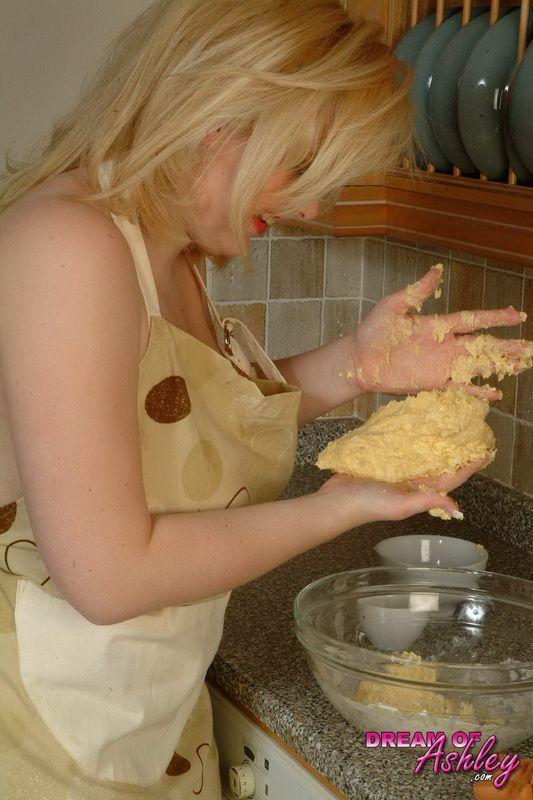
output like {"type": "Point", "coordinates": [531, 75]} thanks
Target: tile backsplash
{"type": "Point", "coordinates": [305, 290]}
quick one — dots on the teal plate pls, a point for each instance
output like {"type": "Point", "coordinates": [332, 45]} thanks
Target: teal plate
{"type": "Point", "coordinates": [485, 82]}
{"type": "Point", "coordinates": [520, 117]}
{"type": "Point", "coordinates": [413, 42]}
{"type": "Point", "coordinates": [424, 69]}
{"type": "Point", "coordinates": [408, 49]}
{"type": "Point", "coordinates": [444, 90]}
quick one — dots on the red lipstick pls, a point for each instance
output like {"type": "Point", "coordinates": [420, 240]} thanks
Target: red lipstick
{"type": "Point", "coordinates": [259, 224]}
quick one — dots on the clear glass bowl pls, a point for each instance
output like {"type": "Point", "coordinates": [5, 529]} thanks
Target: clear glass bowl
{"type": "Point", "coordinates": [417, 649]}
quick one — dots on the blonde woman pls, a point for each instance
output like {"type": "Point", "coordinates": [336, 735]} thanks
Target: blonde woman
{"type": "Point", "coordinates": [141, 453]}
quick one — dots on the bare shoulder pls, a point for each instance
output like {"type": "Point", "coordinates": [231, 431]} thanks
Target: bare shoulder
{"type": "Point", "coordinates": [44, 215]}
{"type": "Point", "coordinates": [49, 245]}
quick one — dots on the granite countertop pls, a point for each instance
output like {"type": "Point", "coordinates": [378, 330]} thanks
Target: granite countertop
{"type": "Point", "coordinates": [262, 666]}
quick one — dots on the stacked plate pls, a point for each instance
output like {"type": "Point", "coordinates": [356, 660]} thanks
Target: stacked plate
{"type": "Point", "coordinates": [474, 109]}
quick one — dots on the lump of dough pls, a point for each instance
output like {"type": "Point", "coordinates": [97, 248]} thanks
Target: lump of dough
{"type": "Point", "coordinates": [429, 434]}
{"type": "Point", "coordinates": [405, 698]}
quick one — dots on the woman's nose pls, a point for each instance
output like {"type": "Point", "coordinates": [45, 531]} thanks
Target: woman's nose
{"type": "Point", "coordinates": [310, 211]}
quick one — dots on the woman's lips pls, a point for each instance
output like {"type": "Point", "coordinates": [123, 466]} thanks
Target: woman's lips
{"type": "Point", "coordinates": [259, 224]}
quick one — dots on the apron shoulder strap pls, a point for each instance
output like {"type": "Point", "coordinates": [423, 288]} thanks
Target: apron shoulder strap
{"type": "Point", "coordinates": [134, 237]}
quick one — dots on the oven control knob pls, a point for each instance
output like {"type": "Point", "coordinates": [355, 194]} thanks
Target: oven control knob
{"type": "Point", "coordinates": [242, 780]}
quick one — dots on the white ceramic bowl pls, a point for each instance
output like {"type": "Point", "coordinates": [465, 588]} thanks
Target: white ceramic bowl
{"type": "Point", "coordinates": [427, 550]}
{"type": "Point", "coordinates": [393, 622]}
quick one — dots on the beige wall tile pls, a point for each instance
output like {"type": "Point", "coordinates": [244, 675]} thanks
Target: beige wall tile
{"type": "Point", "coordinates": [401, 242]}
{"type": "Point", "coordinates": [466, 286]}
{"type": "Point", "coordinates": [504, 289]}
{"type": "Point", "coordinates": [524, 400]}
{"type": "Point", "coordinates": [233, 283]}
{"type": "Point", "coordinates": [343, 267]}
{"type": "Point", "coordinates": [373, 268]}
{"type": "Point", "coordinates": [508, 388]}
{"type": "Point", "coordinates": [340, 317]}
{"type": "Point", "coordinates": [463, 255]}
{"type": "Point", "coordinates": [293, 327]}
{"type": "Point", "coordinates": [506, 265]}
{"type": "Point", "coordinates": [441, 251]}
{"type": "Point", "coordinates": [503, 429]}
{"type": "Point", "coordinates": [288, 230]}
{"type": "Point", "coordinates": [400, 268]}
{"type": "Point", "coordinates": [366, 306]}
{"type": "Point", "coordinates": [296, 268]}
{"type": "Point", "coordinates": [424, 261]}
{"type": "Point", "coordinates": [252, 314]}
{"type": "Point", "coordinates": [523, 458]}
{"type": "Point", "coordinates": [525, 380]}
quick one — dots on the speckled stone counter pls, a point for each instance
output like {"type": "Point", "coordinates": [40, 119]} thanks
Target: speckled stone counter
{"type": "Point", "coordinates": [263, 667]}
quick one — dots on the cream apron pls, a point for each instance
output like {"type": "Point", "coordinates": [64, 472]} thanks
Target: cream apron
{"type": "Point", "coordinates": [100, 711]}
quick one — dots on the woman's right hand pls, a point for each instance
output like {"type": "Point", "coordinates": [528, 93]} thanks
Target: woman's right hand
{"type": "Point", "coordinates": [363, 500]}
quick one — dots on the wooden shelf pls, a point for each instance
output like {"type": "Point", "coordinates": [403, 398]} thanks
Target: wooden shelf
{"type": "Point", "coordinates": [470, 214]}
{"type": "Point", "coordinates": [490, 219]}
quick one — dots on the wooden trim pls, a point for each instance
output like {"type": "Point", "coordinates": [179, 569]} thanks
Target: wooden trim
{"type": "Point", "coordinates": [499, 194]}
{"type": "Point", "coordinates": [486, 218]}
{"type": "Point", "coordinates": [288, 749]}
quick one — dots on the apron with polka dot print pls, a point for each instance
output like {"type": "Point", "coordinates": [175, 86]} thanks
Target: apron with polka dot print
{"type": "Point", "coordinates": [101, 711]}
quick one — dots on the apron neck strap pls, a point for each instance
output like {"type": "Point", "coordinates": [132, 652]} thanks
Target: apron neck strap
{"type": "Point", "coordinates": [203, 287]}
{"type": "Point", "coordinates": [234, 351]}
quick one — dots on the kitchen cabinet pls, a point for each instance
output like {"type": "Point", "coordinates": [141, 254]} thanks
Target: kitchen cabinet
{"type": "Point", "coordinates": [493, 219]}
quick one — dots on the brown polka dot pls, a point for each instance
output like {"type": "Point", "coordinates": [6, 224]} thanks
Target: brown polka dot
{"type": "Point", "coordinates": [168, 400]}
{"type": "Point", "coordinates": [178, 765]}
{"type": "Point", "coordinates": [202, 471]}
{"type": "Point", "coordinates": [7, 516]}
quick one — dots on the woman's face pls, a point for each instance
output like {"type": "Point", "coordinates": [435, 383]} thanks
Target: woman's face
{"type": "Point", "coordinates": [209, 224]}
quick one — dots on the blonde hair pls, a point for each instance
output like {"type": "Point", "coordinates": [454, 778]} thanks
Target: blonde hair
{"type": "Point", "coordinates": [311, 88]}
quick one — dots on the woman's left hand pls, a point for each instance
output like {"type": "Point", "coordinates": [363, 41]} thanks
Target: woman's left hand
{"type": "Point", "coordinates": [399, 352]}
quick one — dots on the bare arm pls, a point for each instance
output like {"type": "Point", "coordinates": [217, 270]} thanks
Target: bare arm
{"type": "Point", "coordinates": [316, 373]}
{"type": "Point", "coordinates": [192, 556]}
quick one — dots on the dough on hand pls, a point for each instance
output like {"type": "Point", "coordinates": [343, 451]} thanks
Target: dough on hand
{"type": "Point", "coordinates": [429, 434]}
